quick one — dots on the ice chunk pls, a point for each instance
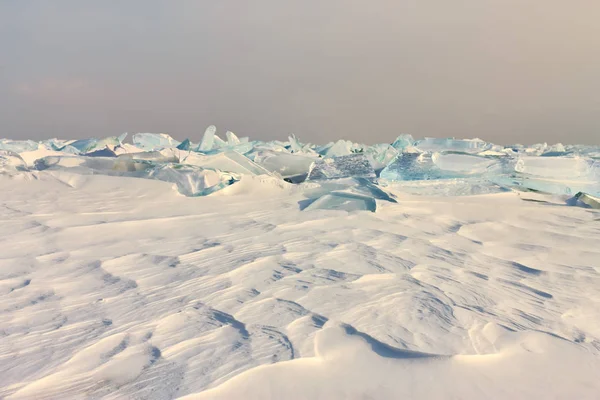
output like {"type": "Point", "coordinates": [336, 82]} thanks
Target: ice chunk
{"type": "Point", "coordinates": [54, 144]}
{"type": "Point", "coordinates": [380, 155]}
{"type": "Point", "coordinates": [168, 155]}
{"type": "Point", "coordinates": [229, 161]}
{"type": "Point", "coordinates": [361, 186]}
{"type": "Point", "coordinates": [208, 139]}
{"type": "Point", "coordinates": [105, 152]}
{"type": "Point", "coordinates": [460, 145]}
{"type": "Point", "coordinates": [11, 162]}
{"type": "Point", "coordinates": [78, 164]}
{"type": "Point", "coordinates": [425, 166]}
{"type": "Point", "coordinates": [353, 165]}
{"type": "Point", "coordinates": [218, 143]}
{"type": "Point", "coordinates": [89, 145]}
{"type": "Point", "coordinates": [285, 164]}
{"type": "Point", "coordinates": [296, 147]}
{"type": "Point", "coordinates": [337, 149]}
{"type": "Point", "coordinates": [125, 148]}
{"type": "Point", "coordinates": [193, 181]}
{"type": "Point", "coordinates": [463, 164]}
{"type": "Point", "coordinates": [403, 141]}
{"type": "Point", "coordinates": [524, 182]}
{"type": "Point", "coordinates": [343, 201]}
{"type": "Point", "coordinates": [232, 139]}
{"type": "Point", "coordinates": [18, 146]}
{"type": "Point", "coordinates": [447, 187]}
{"type": "Point", "coordinates": [587, 200]}
{"type": "Point", "coordinates": [154, 141]}
{"type": "Point", "coordinates": [558, 167]}
{"type": "Point", "coordinates": [185, 145]}
{"type": "Point", "coordinates": [190, 180]}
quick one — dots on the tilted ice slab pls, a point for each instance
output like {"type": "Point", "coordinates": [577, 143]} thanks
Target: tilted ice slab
{"type": "Point", "coordinates": [587, 200]}
{"type": "Point", "coordinates": [230, 161]}
{"type": "Point", "coordinates": [425, 166]}
{"type": "Point", "coordinates": [555, 175]}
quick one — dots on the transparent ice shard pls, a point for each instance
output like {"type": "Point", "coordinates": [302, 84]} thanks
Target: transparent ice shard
{"type": "Point", "coordinates": [463, 164]}
{"type": "Point", "coordinates": [295, 146]}
{"type": "Point", "coordinates": [230, 161]}
{"type": "Point", "coordinates": [18, 146]}
{"type": "Point", "coordinates": [208, 139]}
{"type": "Point", "coordinates": [460, 145]}
{"type": "Point", "coordinates": [380, 155]}
{"type": "Point", "coordinates": [218, 143]}
{"type": "Point", "coordinates": [193, 181]}
{"type": "Point", "coordinates": [403, 141]}
{"type": "Point", "coordinates": [353, 165]}
{"type": "Point", "coordinates": [154, 141]}
{"type": "Point", "coordinates": [232, 139]}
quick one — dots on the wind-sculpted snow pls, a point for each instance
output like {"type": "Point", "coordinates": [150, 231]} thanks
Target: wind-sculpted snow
{"type": "Point", "coordinates": [117, 287]}
{"type": "Point", "coordinates": [239, 269]}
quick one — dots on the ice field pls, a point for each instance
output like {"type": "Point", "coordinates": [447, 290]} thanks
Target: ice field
{"type": "Point", "coordinates": [239, 269]}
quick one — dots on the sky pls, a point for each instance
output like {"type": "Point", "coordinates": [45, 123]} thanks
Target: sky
{"type": "Point", "coordinates": [506, 71]}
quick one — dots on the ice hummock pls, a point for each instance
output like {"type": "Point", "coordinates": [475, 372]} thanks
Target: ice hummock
{"type": "Point", "coordinates": [430, 166]}
{"type": "Point", "coordinates": [190, 180]}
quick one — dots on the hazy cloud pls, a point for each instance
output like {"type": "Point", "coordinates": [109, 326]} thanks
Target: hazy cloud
{"type": "Point", "coordinates": [502, 70]}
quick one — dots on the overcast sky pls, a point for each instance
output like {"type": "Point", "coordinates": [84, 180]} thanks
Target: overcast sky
{"type": "Point", "coordinates": [503, 70]}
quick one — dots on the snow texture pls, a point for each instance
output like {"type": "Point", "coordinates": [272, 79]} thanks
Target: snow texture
{"type": "Point", "coordinates": [238, 269]}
